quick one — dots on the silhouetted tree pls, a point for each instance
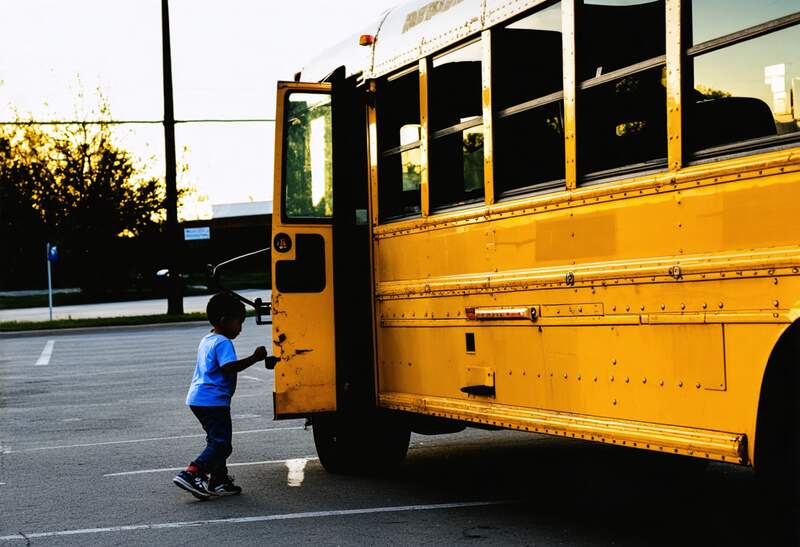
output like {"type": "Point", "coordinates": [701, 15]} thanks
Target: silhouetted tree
{"type": "Point", "coordinates": [73, 185]}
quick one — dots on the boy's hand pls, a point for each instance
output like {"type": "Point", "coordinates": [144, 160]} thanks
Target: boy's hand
{"type": "Point", "coordinates": [260, 353]}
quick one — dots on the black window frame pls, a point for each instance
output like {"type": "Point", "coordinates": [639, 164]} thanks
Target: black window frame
{"type": "Point", "coordinates": [556, 97]}
{"type": "Point", "coordinates": [448, 131]}
{"type": "Point", "coordinates": [584, 177]}
{"type": "Point", "coordinates": [396, 150]}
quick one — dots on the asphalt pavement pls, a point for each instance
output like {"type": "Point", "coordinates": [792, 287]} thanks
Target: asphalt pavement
{"type": "Point", "coordinates": [93, 427]}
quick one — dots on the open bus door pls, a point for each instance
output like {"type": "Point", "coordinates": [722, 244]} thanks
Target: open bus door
{"type": "Point", "coordinates": [321, 200]}
{"type": "Point", "coordinates": [302, 251]}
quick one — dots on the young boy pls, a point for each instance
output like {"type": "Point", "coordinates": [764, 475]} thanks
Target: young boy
{"type": "Point", "coordinates": [210, 395]}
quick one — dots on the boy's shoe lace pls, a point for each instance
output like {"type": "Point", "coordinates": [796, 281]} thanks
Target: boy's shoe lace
{"type": "Point", "coordinates": [223, 486]}
{"type": "Point", "coordinates": [194, 483]}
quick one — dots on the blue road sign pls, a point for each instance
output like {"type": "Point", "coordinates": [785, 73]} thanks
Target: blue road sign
{"type": "Point", "coordinates": [52, 253]}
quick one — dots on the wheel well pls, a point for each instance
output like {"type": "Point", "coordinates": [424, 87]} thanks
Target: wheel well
{"type": "Point", "coordinates": [777, 423]}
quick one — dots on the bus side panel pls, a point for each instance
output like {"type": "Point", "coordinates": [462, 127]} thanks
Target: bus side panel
{"type": "Point", "coordinates": [631, 336]}
{"type": "Point", "coordinates": [647, 373]}
{"type": "Point", "coordinates": [741, 215]}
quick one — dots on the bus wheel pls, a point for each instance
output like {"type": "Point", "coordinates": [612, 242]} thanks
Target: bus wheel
{"type": "Point", "coordinates": [357, 445]}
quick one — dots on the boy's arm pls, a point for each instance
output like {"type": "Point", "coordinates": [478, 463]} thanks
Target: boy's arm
{"type": "Point", "coordinates": [235, 367]}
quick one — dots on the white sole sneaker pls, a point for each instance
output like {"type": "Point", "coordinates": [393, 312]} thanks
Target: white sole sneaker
{"type": "Point", "coordinates": [189, 487]}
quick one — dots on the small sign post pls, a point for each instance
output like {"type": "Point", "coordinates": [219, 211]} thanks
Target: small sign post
{"type": "Point", "coordinates": [193, 234]}
{"type": "Point", "coordinates": [51, 255]}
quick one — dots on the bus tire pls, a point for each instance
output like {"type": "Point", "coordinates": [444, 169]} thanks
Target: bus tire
{"type": "Point", "coordinates": [355, 445]}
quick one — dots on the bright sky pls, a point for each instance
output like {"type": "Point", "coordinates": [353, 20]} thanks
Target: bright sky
{"type": "Point", "coordinates": [226, 58]}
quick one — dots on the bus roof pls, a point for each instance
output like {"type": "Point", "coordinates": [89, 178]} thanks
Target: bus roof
{"type": "Point", "coordinates": [411, 31]}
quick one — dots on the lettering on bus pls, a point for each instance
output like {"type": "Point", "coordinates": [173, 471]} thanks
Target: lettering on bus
{"type": "Point", "coordinates": [427, 11]}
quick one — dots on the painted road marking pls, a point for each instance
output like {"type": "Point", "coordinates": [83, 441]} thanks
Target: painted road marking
{"type": "Point", "coordinates": [47, 352]}
{"type": "Point", "coordinates": [253, 378]}
{"type": "Point", "coordinates": [297, 471]}
{"type": "Point", "coordinates": [260, 518]}
{"type": "Point", "coordinates": [151, 439]}
{"type": "Point", "coordinates": [265, 462]}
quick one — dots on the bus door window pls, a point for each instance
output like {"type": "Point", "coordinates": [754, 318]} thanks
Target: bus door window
{"type": "Point", "coordinates": [528, 101]}
{"type": "Point", "coordinates": [456, 128]}
{"type": "Point", "coordinates": [400, 141]}
{"type": "Point", "coordinates": [744, 75]}
{"type": "Point", "coordinates": [621, 105]}
{"type": "Point", "coordinates": [308, 184]}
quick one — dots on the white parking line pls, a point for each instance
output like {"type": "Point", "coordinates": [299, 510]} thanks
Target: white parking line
{"type": "Point", "coordinates": [253, 378]}
{"type": "Point", "coordinates": [266, 462]}
{"type": "Point", "coordinates": [297, 471]}
{"type": "Point", "coordinates": [260, 518]}
{"type": "Point", "coordinates": [47, 352]}
{"type": "Point", "coordinates": [106, 443]}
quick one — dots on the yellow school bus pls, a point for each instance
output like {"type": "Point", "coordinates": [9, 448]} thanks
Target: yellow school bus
{"type": "Point", "coordinates": [577, 218]}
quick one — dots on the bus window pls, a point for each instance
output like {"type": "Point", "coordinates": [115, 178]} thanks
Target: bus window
{"type": "Point", "coordinates": [527, 83]}
{"type": "Point", "coordinates": [456, 128]}
{"type": "Point", "coordinates": [745, 91]}
{"type": "Point", "coordinates": [621, 112]}
{"type": "Point", "coordinates": [308, 191]}
{"type": "Point", "coordinates": [399, 139]}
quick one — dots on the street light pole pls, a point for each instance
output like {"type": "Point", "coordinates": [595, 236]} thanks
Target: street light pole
{"type": "Point", "coordinates": [174, 293]}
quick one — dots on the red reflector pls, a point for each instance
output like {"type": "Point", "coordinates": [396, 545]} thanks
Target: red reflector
{"type": "Point", "coordinates": [470, 313]}
{"type": "Point", "coordinates": [366, 40]}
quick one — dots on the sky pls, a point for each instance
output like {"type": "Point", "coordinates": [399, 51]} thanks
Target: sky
{"type": "Point", "coordinates": [56, 55]}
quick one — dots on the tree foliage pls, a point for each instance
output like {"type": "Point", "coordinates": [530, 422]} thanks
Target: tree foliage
{"type": "Point", "coordinates": [72, 185]}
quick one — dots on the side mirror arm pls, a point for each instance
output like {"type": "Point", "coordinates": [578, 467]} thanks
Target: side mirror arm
{"type": "Point", "coordinates": [262, 309]}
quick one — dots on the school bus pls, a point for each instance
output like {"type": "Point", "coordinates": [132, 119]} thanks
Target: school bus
{"type": "Point", "coordinates": [577, 218]}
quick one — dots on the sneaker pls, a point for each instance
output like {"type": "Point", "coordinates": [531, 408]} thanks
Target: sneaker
{"type": "Point", "coordinates": [223, 487]}
{"type": "Point", "coordinates": [194, 483]}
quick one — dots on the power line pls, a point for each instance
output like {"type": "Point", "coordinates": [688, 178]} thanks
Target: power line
{"type": "Point", "coordinates": [231, 120]}
{"type": "Point", "coordinates": [136, 122]}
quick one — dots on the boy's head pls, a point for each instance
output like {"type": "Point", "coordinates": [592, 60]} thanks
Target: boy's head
{"type": "Point", "coordinates": [226, 314]}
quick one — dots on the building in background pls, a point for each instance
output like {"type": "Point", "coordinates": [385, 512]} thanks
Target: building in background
{"type": "Point", "coordinates": [234, 229]}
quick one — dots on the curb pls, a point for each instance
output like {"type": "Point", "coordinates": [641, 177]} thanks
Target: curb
{"type": "Point", "coordinates": [104, 328]}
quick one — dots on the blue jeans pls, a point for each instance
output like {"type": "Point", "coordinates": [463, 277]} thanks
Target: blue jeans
{"type": "Point", "coordinates": [216, 422]}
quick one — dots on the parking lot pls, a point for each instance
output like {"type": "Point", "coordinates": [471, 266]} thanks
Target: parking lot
{"type": "Point", "coordinates": [93, 427]}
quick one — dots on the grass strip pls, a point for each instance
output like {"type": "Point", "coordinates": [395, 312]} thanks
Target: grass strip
{"type": "Point", "coordinates": [19, 326]}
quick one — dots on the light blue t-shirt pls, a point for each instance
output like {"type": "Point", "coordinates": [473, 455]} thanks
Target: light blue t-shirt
{"type": "Point", "coordinates": [210, 386]}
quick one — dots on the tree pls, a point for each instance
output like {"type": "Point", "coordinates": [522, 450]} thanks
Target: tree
{"type": "Point", "coordinates": [72, 185]}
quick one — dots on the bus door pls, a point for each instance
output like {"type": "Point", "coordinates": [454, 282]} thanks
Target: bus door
{"type": "Point", "coordinates": [302, 253]}
{"type": "Point", "coordinates": [320, 161]}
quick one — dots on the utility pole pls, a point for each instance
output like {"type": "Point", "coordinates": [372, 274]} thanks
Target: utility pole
{"type": "Point", "coordinates": [174, 291]}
